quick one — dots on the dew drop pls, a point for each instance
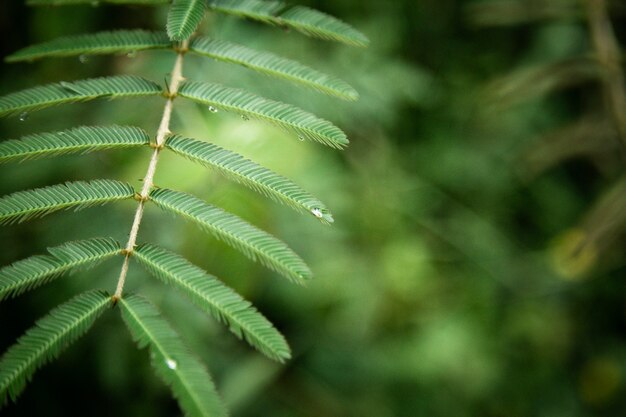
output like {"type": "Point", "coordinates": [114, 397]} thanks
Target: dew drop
{"type": "Point", "coordinates": [131, 54]}
{"type": "Point", "coordinates": [23, 116]}
{"type": "Point", "coordinates": [212, 109]}
{"type": "Point", "coordinates": [317, 213]}
{"type": "Point", "coordinates": [301, 138]}
{"type": "Point", "coordinates": [83, 59]}
{"type": "Point", "coordinates": [171, 363]}
{"type": "Point", "coordinates": [244, 118]}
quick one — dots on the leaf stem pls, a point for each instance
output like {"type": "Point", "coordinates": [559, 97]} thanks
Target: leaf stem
{"type": "Point", "coordinates": [148, 181]}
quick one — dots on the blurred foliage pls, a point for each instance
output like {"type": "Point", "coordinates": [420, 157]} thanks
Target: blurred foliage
{"type": "Point", "coordinates": [476, 265]}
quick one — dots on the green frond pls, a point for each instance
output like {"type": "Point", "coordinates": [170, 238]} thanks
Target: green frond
{"type": "Point", "coordinates": [274, 65]}
{"type": "Point", "coordinates": [250, 174]}
{"type": "Point", "coordinates": [71, 92]}
{"type": "Point", "coordinates": [261, 10]}
{"type": "Point", "coordinates": [93, 2]}
{"type": "Point", "coordinates": [29, 204]}
{"type": "Point", "coordinates": [290, 118]}
{"type": "Point", "coordinates": [47, 339]}
{"type": "Point", "coordinates": [184, 17]}
{"type": "Point", "coordinates": [251, 241]}
{"type": "Point", "coordinates": [308, 21]}
{"type": "Point", "coordinates": [115, 42]}
{"type": "Point", "coordinates": [78, 140]}
{"type": "Point", "coordinates": [30, 273]}
{"type": "Point", "coordinates": [320, 25]}
{"type": "Point", "coordinates": [211, 295]}
{"type": "Point", "coordinates": [187, 377]}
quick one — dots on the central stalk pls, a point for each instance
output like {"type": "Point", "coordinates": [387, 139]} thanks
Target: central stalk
{"type": "Point", "coordinates": [148, 181]}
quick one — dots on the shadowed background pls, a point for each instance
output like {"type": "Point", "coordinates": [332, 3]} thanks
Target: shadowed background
{"type": "Point", "coordinates": [476, 264]}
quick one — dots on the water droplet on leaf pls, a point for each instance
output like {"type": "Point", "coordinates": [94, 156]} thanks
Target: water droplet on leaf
{"type": "Point", "coordinates": [23, 116]}
{"type": "Point", "coordinates": [171, 363]}
{"type": "Point", "coordinates": [301, 138]}
{"type": "Point", "coordinates": [317, 213]}
{"type": "Point", "coordinates": [212, 109]}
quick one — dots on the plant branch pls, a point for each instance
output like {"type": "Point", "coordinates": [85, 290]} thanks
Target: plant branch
{"type": "Point", "coordinates": [148, 181]}
{"type": "Point", "coordinates": [609, 56]}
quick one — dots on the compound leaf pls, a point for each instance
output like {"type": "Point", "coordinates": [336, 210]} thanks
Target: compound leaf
{"type": "Point", "coordinates": [274, 65]}
{"type": "Point", "coordinates": [78, 140]}
{"type": "Point", "coordinates": [288, 117]}
{"type": "Point", "coordinates": [263, 11]}
{"type": "Point", "coordinates": [30, 273]}
{"type": "Point", "coordinates": [187, 377]}
{"type": "Point", "coordinates": [47, 339]}
{"type": "Point", "coordinates": [71, 92]}
{"type": "Point", "coordinates": [305, 20]}
{"type": "Point", "coordinates": [184, 17]}
{"type": "Point", "coordinates": [251, 241]}
{"type": "Point", "coordinates": [114, 42]}
{"type": "Point", "coordinates": [29, 204]}
{"type": "Point", "coordinates": [320, 25]}
{"type": "Point", "coordinates": [250, 174]}
{"type": "Point", "coordinates": [210, 294]}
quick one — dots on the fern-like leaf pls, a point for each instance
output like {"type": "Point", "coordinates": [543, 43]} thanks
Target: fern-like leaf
{"type": "Point", "coordinates": [184, 17]}
{"type": "Point", "coordinates": [30, 273]}
{"type": "Point", "coordinates": [25, 205]}
{"type": "Point", "coordinates": [250, 174]}
{"type": "Point", "coordinates": [314, 23]}
{"type": "Point", "coordinates": [94, 2]}
{"type": "Point", "coordinates": [251, 241]}
{"type": "Point", "coordinates": [114, 42]}
{"type": "Point", "coordinates": [78, 140]}
{"type": "Point", "coordinates": [208, 293]}
{"type": "Point", "coordinates": [290, 118]}
{"type": "Point", "coordinates": [47, 339]}
{"type": "Point", "coordinates": [189, 380]}
{"type": "Point", "coordinates": [308, 21]}
{"type": "Point", "coordinates": [71, 92]}
{"type": "Point", "coordinates": [274, 65]}
{"type": "Point", "coordinates": [260, 10]}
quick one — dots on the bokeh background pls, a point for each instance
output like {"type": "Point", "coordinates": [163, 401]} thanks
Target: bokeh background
{"type": "Point", "coordinates": [476, 266]}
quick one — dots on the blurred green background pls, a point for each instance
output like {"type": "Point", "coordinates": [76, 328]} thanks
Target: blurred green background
{"type": "Point", "coordinates": [476, 266]}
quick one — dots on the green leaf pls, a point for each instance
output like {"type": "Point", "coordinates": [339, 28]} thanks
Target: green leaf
{"type": "Point", "coordinates": [187, 377]}
{"type": "Point", "coordinates": [290, 118]}
{"type": "Point", "coordinates": [71, 92]}
{"type": "Point", "coordinates": [263, 11]}
{"type": "Point", "coordinates": [93, 2]}
{"type": "Point", "coordinates": [248, 173]}
{"type": "Point", "coordinates": [320, 25]}
{"type": "Point", "coordinates": [78, 140]}
{"type": "Point", "coordinates": [47, 339]}
{"type": "Point", "coordinates": [251, 241]}
{"type": "Point", "coordinates": [184, 17]}
{"type": "Point", "coordinates": [115, 42]}
{"type": "Point", "coordinates": [30, 204]}
{"type": "Point", "coordinates": [308, 21]}
{"type": "Point", "coordinates": [208, 293]}
{"type": "Point", "coordinates": [38, 270]}
{"type": "Point", "coordinates": [274, 65]}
